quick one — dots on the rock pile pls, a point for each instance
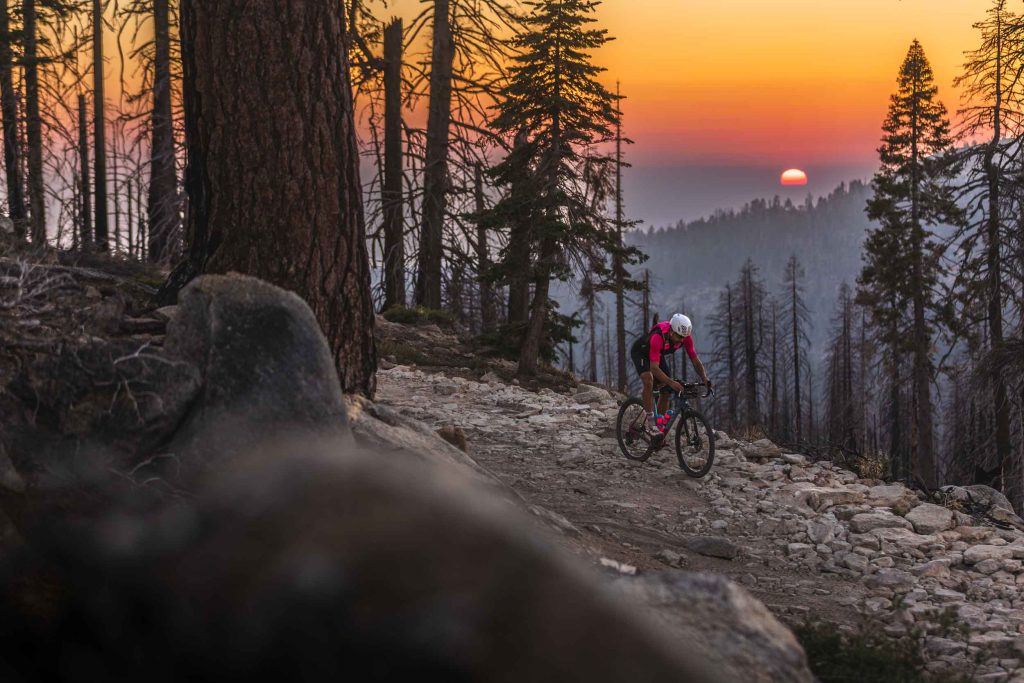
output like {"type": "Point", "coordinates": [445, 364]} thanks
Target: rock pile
{"type": "Point", "coordinates": [912, 565]}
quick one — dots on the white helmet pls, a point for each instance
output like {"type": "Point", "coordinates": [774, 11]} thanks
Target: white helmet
{"type": "Point", "coordinates": [681, 325]}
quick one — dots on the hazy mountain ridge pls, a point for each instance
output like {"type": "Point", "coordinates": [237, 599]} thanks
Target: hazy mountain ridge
{"type": "Point", "coordinates": [691, 262]}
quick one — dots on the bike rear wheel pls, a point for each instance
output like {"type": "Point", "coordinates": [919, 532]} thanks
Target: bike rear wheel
{"type": "Point", "coordinates": [695, 443]}
{"type": "Point", "coordinates": [630, 430]}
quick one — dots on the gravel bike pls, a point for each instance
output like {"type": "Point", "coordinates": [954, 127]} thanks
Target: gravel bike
{"type": "Point", "coordinates": [694, 437]}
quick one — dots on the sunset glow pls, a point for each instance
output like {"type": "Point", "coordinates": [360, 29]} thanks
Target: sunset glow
{"type": "Point", "coordinates": [793, 176]}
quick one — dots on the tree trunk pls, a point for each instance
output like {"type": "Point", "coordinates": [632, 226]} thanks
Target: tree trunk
{"type": "Point", "coordinates": [289, 212]}
{"type": "Point", "coordinates": [519, 247]}
{"type": "Point", "coordinates": [750, 352]}
{"type": "Point", "coordinates": [391, 188]}
{"type": "Point", "coordinates": [593, 335]}
{"type": "Point", "coordinates": [163, 180]}
{"type": "Point", "coordinates": [488, 318]}
{"type": "Point", "coordinates": [796, 359]}
{"type": "Point", "coordinates": [435, 166]}
{"type": "Point", "coordinates": [33, 127]}
{"type": "Point", "coordinates": [99, 123]}
{"type": "Point", "coordinates": [529, 353]}
{"type": "Point", "coordinates": [85, 220]}
{"type": "Point", "coordinates": [730, 342]}
{"type": "Point", "coordinates": [618, 268]}
{"type": "Point", "coordinates": [9, 109]}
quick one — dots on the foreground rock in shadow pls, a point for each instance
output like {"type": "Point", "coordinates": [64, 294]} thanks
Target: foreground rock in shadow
{"type": "Point", "coordinates": [102, 420]}
{"type": "Point", "coordinates": [310, 561]}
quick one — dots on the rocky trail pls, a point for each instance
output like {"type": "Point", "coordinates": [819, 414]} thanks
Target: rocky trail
{"type": "Point", "coordinates": [807, 539]}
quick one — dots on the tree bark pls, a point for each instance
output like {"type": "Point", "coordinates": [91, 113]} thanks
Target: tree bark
{"type": "Point", "coordinates": [33, 127]}
{"type": "Point", "coordinates": [796, 355]}
{"type": "Point", "coordinates": [99, 124]}
{"type": "Point", "coordinates": [435, 166]}
{"type": "Point", "coordinates": [529, 353]}
{"type": "Point", "coordinates": [519, 247]}
{"type": "Point", "coordinates": [163, 180]}
{"type": "Point", "coordinates": [85, 215]}
{"type": "Point", "coordinates": [488, 318]}
{"type": "Point", "coordinates": [391, 188]}
{"type": "Point", "coordinates": [618, 268]}
{"type": "Point", "coordinates": [9, 109]}
{"type": "Point", "coordinates": [273, 191]}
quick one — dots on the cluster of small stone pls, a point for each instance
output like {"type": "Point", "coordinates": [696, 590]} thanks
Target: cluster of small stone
{"type": "Point", "coordinates": [923, 569]}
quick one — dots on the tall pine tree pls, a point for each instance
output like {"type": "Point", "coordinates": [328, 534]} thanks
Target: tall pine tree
{"type": "Point", "coordinates": [912, 191]}
{"type": "Point", "coordinates": [561, 114]}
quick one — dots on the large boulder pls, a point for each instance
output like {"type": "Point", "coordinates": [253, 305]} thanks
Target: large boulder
{"type": "Point", "coordinates": [107, 419]}
{"type": "Point", "coordinates": [312, 561]}
{"type": "Point", "coordinates": [929, 518]}
{"type": "Point", "coordinates": [711, 616]}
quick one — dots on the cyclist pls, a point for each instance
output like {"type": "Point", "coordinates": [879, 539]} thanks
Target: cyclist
{"type": "Point", "coordinates": [647, 353]}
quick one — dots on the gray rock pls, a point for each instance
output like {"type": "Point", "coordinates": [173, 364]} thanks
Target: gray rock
{"type": "Point", "coordinates": [928, 518]}
{"type": "Point", "coordinates": [936, 568]}
{"type": "Point", "coordinates": [445, 388]}
{"type": "Point", "coordinates": [312, 558]}
{"type": "Point", "coordinates": [713, 546]}
{"type": "Point", "coordinates": [592, 395]}
{"type": "Point", "coordinates": [822, 529]}
{"type": "Point", "coordinates": [868, 521]}
{"type": "Point", "coordinates": [979, 553]}
{"type": "Point", "coordinates": [897, 497]}
{"type": "Point", "coordinates": [821, 498]}
{"type": "Point", "coordinates": [733, 632]}
{"type": "Point", "coordinates": [893, 579]}
{"type": "Point", "coordinates": [979, 495]}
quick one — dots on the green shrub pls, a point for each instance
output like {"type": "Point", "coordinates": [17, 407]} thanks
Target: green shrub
{"type": "Point", "coordinates": [867, 654]}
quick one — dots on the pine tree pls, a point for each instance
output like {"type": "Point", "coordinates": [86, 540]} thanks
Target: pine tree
{"type": "Point", "coordinates": [563, 113]}
{"type": "Point", "coordinates": [993, 94]}
{"type": "Point", "coordinates": [796, 316]}
{"type": "Point", "coordinates": [310, 239]}
{"type": "Point", "coordinates": [912, 191]}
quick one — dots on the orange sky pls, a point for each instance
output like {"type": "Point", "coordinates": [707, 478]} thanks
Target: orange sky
{"type": "Point", "coordinates": [769, 82]}
{"type": "Point", "coordinates": [780, 82]}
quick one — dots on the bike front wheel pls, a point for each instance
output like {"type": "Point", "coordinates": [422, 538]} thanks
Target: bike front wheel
{"type": "Point", "coordinates": [630, 430]}
{"type": "Point", "coordinates": [695, 444]}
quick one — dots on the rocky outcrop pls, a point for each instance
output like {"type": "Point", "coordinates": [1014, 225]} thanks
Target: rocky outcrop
{"type": "Point", "coordinates": [313, 560]}
{"type": "Point", "coordinates": [111, 419]}
{"type": "Point", "coordinates": [734, 633]}
{"type": "Point", "coordinates": [948, 568]}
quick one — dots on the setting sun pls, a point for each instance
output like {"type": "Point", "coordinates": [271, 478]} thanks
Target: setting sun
{"type": "Point", "coordinates": [793, 176]}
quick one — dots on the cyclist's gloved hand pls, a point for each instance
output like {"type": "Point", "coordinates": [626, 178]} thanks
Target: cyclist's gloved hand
{"type": "Point", "coordinates": [676, 386]}
{"type": "Point", "coordinates": [709, 384]}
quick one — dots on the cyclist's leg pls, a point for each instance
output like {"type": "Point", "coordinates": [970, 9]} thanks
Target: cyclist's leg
{"type": "Point", "coordinates": [665, 397]}
{"type": "Point", "coordinates": [642, 363]}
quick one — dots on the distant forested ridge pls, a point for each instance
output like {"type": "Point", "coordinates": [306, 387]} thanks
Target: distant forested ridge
{"type": "Point", "coordinates": [691, 262]}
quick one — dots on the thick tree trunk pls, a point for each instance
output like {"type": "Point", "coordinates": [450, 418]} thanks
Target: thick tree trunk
{"type": "Point", "coordinates": [391, 189]}
{"type": "Point", "coordinates": [9, 110]}
{"type": "Point", "coordinates": [731, 352]}
{"type": "Point", "coordinates": [488, 318]}
{"type": "Point", "coordinates": [163, 180]}
{"type": "Point", "coordinates": [85, 210]}
{"type": "Point", "coordinates": [99, 123]}
{"type": "Point", "coordinates": [435, 166]}
{"type": "Point", "coordinates": [33, 127]}
{"type": "Point", "coordinates": [274, 191]}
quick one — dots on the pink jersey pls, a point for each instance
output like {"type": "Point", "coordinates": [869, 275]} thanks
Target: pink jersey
{"type": "Point", "coordinates": [660, 343]}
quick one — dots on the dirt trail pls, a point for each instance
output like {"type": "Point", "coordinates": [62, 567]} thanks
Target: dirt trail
{"type": "Point", "coordinates": [569, 464]}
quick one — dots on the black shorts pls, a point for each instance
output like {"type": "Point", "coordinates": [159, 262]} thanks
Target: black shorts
{"type": "Point", "coordinates": [640, 354]}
